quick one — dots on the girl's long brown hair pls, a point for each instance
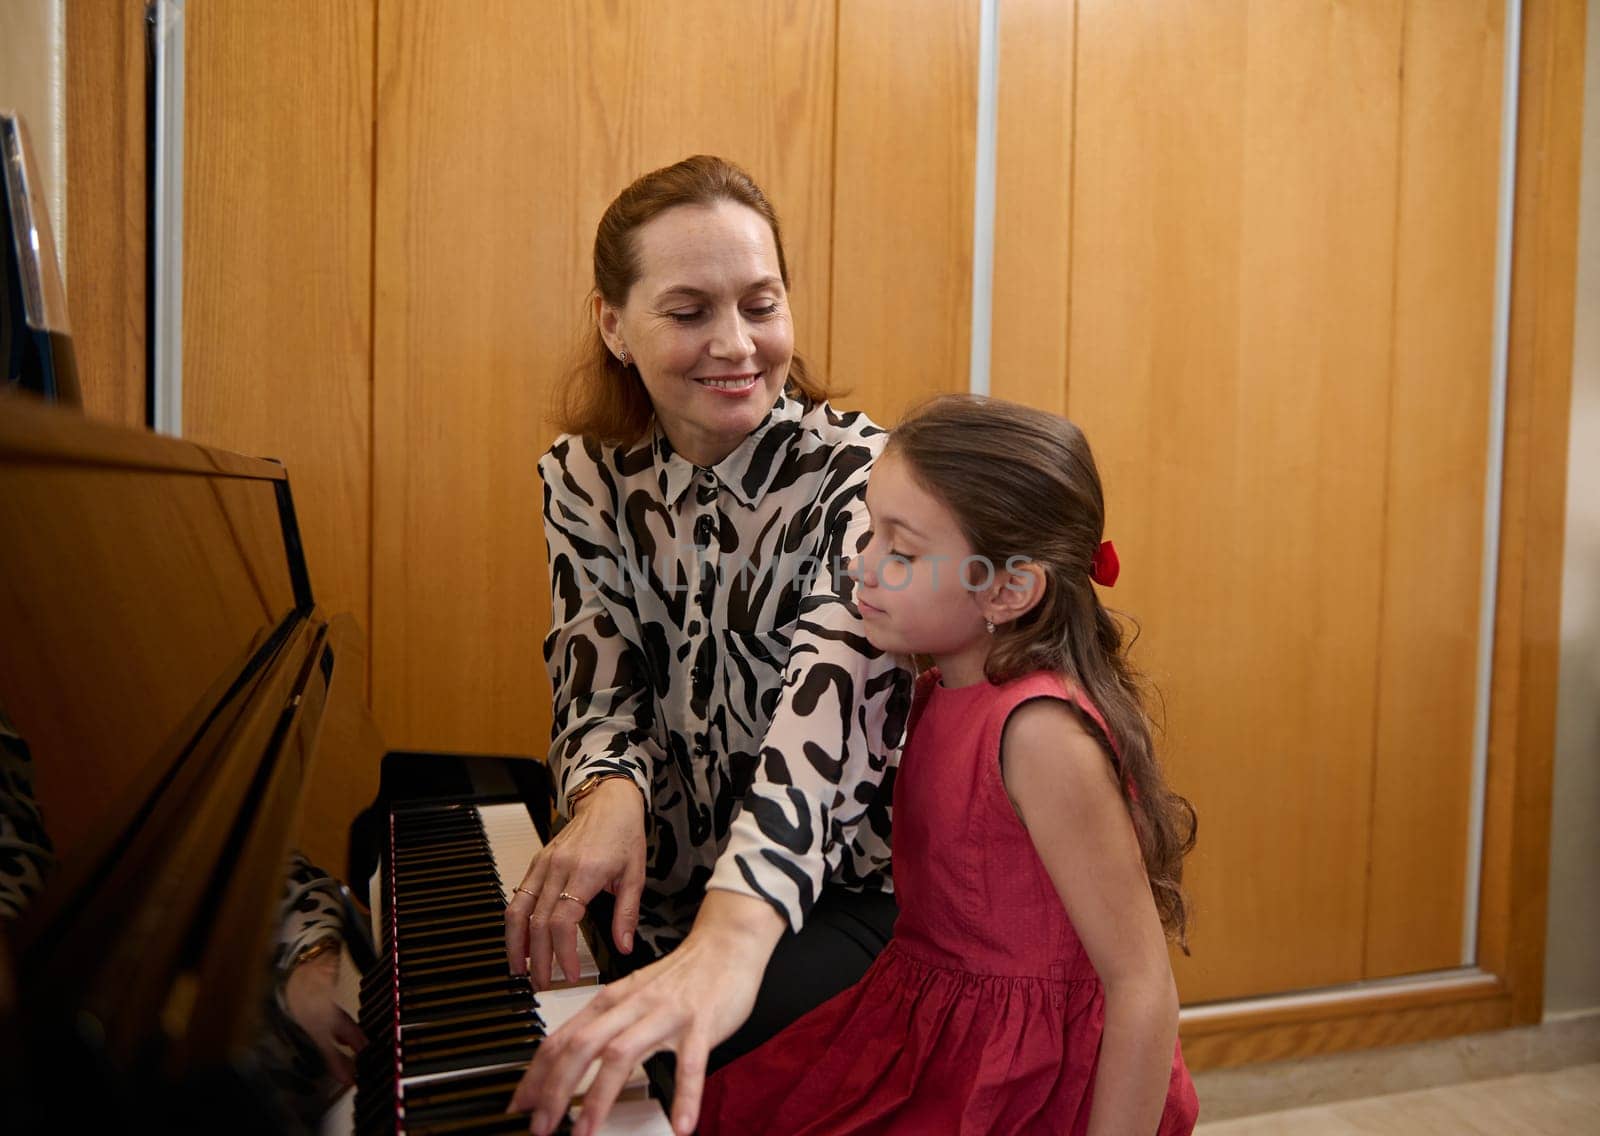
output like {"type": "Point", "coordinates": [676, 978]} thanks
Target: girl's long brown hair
{"type": "Point", "coordinates": [1022, 483]}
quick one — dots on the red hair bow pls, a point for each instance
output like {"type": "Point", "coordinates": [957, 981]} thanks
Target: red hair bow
{"type": "Point", "coordinates": [1105, 566]}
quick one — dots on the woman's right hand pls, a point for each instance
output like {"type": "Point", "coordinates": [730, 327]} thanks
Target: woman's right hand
{"type": "Point", "coordinates": [601, 848]}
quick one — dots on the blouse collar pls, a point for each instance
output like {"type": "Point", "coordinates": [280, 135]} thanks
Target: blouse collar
{"type": "Point", "coordinates": [746, 472]}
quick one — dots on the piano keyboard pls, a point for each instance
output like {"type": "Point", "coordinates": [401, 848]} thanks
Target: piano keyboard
{"type": "Point", "coordinates": [449, 1030]}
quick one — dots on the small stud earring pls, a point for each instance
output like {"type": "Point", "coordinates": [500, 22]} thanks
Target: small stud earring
{"type": "Point", "coordinates": [622, 356]}
{"type": "Point", "coordinates": [988, 626]}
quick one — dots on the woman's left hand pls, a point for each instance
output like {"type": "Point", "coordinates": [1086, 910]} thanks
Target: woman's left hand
{"type": "Point", "coordinates": [310, 995]}
{"type": "Point", "coordinates": [686, 1003]}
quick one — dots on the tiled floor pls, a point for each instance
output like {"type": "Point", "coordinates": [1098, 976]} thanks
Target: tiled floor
{"type": "Point", "coordinates": [1564, 1103]}
{"type": "Point", "coordinates": [1539, 1080]}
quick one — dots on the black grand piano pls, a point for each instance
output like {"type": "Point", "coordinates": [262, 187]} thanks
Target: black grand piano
{"type": "Point", "coordinates": [192, 716]}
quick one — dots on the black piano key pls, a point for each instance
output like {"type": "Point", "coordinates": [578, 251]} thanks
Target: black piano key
{"type": "Point", "coordinates": [457, 935]}
{"type": "Point", "coordinates": [443, 898]}
{"type": "Point", "coordinates": [479, 915]}
{"type": "Point", "coordinates": [417, 992]}
{"type": "Point", "coordinates": [426, 883]}
{"type": "Point", "coordinates": [451, 1007]}
{"type": "Point", "coordinates": [476, 969]}
{"type": "Point", "coordinates": [487, 1019]}
{"type": "Point", "coordinates": [444, 993]}
{"type": "Point", "coordinates": [477, 1034]}
{"type": "Point", "coordinates": [473, 1057]}
{"type": "Point", "coordinates": [470, 852]}
{"type": "Point", "coordinates": [472, 1095]}
{"type": "Point", "coordinates": [487, 954]}
{"type": "Point", "coordinates": [471, 837]}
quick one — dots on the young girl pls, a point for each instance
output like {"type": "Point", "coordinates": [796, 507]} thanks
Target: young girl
{"type": "Point", "coordinates": [1037, 849]}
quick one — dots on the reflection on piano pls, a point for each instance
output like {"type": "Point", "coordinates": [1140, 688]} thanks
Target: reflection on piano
{"type": "Point", "coordinates": [193, 715]}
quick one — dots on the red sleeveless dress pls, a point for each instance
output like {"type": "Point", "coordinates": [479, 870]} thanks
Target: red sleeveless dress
{"type": "Point", "coordinates": [983, 1015]}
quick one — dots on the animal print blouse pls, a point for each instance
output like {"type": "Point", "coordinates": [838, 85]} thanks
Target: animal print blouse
{"type": "Point", "coordinates": [705, 642]}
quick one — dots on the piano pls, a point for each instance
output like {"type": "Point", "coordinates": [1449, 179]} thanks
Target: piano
{"type": "Point", "coordinates": [192, 716]}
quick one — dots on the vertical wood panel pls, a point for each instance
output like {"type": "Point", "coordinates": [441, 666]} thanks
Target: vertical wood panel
{"type": "Point", "coordinates": [1433, 539]}
{"type": "Point", "coordinates": [277, 261]}
{"type": "Point", "coordinates": [504, 130]}
{"type": "Point", "coordinates": [1033, 195]}
{"type": "Point", "coordinates": [1233, 263]}
{"type": "Point", "coordinates": [106, 203]}
{"type": "Point", "coordinates": [1528, 603]}
{"type": "Point", "coordinates": [902, 241]}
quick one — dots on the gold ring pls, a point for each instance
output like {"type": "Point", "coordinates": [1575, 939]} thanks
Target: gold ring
{"type": "Point", "coordinates": [524, 891]}
{"type": "Point", "coordinates": [575, 899]}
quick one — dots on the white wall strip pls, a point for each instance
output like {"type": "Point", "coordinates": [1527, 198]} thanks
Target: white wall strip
{"type": "Point", "coordinates": [57, 127]}
{"type": "Point", "coordinates": [984, 195]}
{"type": "Point", "coordinates": [1352, 993]}
{"type": "Point", "coordinates": [1494, 475]}
{"type": "Point", "coordinates": [167, 381]}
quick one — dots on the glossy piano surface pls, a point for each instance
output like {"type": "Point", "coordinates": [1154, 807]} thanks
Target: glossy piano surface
{"type": "Point", "coordinates": [192, 715]}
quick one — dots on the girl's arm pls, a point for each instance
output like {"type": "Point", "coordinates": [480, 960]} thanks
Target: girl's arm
{"type": "Point", "coordinates": [1065, 790]}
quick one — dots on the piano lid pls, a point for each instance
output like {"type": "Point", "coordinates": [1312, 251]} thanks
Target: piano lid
{"type": "Point", "coordinates": [165, 664]}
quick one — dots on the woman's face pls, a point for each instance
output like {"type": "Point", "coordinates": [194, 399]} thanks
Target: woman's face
{"type": "Point", "coordinates": [706, 324]}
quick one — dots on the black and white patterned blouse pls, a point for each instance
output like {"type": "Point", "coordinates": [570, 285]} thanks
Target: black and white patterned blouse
{"type": "Point", "coordinates": [703, 642]}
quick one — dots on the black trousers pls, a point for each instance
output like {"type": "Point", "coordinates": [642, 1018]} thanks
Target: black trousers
{"type": "Point", "coordinates": [843, 934]}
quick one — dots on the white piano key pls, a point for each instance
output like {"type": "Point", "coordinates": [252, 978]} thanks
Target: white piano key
{"type": "Point", "coordinates": [514, 842]}
{"type": "Point", "coordinates": [558, 1007]}
{"type": "Point", "coordinates": [375, 903]}
{"type": "Point", "coordinates": [633, 1118]}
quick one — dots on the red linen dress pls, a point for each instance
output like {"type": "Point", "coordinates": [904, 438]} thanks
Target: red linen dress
{"type": "Point", "coordinates": [984, 1014]}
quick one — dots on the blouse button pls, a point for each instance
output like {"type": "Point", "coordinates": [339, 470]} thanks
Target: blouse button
{"type": "Point", "coordinates": [703, 531]}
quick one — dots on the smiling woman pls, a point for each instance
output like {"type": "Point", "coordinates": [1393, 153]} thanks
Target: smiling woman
{"type": "Point", "coordinates": [670, 249]}
{"type": "Point", "coordinates": [708, 324]}
{"type": "Point", "coordinates": [724, 735]}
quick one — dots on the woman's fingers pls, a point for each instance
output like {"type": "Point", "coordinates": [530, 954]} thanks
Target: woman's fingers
{"type": "Point", "coordinates": [564, 931]}
{"type": "Point", "coordinates": [693, 1053]}
{"type": "Point", "coordinates": [559, 1065]}
{"type": "Point", "coordinates": [518, 910]}
{"type": "Point", "coordinates": [539, 953]}
{"type": "Point", "coordinates": [629, 889]}
{"type": "Point", "coordinates": [619, 1057]}
{"type": "Point", "coordinates": [347, 1032]}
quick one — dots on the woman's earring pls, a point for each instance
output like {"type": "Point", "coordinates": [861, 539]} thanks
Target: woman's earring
{"type": "Point", "coordinates": [988, 625]}
{"type": "Point", "coordinates": [622, 356]}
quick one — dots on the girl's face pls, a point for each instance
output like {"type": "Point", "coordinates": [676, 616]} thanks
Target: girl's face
{"type": "Point", "coordinates": [915, 592]}
{"type": "Point", "coordinates": [707, 324]}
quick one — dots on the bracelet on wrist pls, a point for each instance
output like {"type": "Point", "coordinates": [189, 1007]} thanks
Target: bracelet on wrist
{"type": "Point", "coordinates": [592, 782]}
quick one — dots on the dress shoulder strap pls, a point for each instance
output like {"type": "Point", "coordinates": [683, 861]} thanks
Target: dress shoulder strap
{"type": "Point", "coordinates": [1049, 684]}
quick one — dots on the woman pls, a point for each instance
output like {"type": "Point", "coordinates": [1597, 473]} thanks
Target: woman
{"type": "Point", "coordinates": [724, 733]}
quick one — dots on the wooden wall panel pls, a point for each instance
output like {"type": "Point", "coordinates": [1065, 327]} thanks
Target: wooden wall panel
{"type": "Point", "coordinates": [1438, 443]}
{"type": "Point", "coordinates": [504, 130]}
{"type": "Point", "coordinates": [902, 241]}
{"type": "Point", "coordinates": [1528, 602]}
{"type": "Point", "coordinates": [1033, 204]}
{"type": "Point", "coordinates": [106, 204]}
{"type": "Point", "coordinates": [1233, 265]}
{"type": "Point", "coordinates": [277, 261]}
